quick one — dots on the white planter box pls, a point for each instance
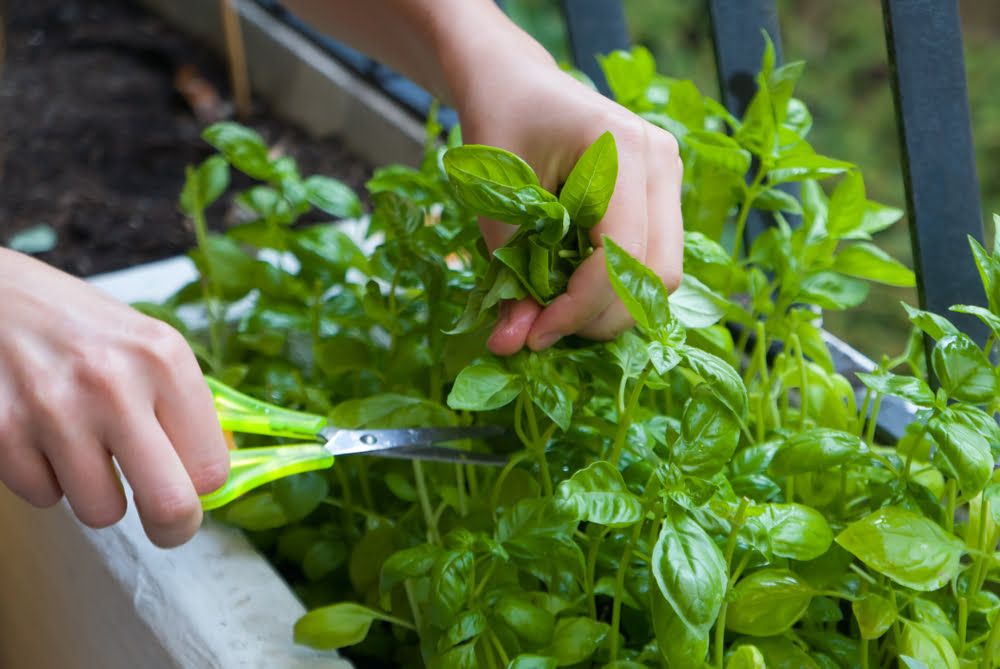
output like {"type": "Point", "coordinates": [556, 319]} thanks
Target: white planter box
{"type": "Point", "coordinates": [76, 598]}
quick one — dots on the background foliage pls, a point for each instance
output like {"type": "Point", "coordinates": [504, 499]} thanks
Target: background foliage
{"type": "Point", "coordinates": [847, 89]}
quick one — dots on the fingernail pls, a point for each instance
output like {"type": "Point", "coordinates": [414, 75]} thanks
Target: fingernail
{"type": "Point", "coordinates": [546, 340]}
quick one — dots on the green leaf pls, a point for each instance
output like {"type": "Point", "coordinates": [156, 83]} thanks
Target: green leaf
{"type": "Point", "coordinates": [532, 662]}
{"type": "Point", "coordinates": [868, 261]}
{"type": "Point", "coordinates": [680, 645]}
{"type": "Point", "coordinates": [496, 183]}
{"type": "Point", "coordinates": [36, 239]}
{"type": "Point", "coordinates": [301, 494]}
{"type": "Point", "coordinates": [799, 167]}
{"type": "Point", "coordinates": [767, 602]}
{"type": "Point", "coordinates": [696, 305]}
{"type": "Point", "coordinates": [932, 325]}
{"type": "Point", "coordinates": [689, 570]}
{"type": "Point", "coordinates": [322, 558]}
{"type": "Point", "coordinates": [630, 353]}
{"type": "Point", "coordinates": [335, 626]}
{"type": "Point", "coordinates": [875, 615]}
{"type": "Point", "coordinates": [963, 369]}
{"type": "Point", "coordinates": [638, 287]}
{"type": "Point", "coordinates": [831, 290]}
{"type": "Point", "coordinates": [591, 182]}
{"type": "Point", "coordinates": [255, 512]}
{"type": "Point", "coordinates": [923, 644]}
{"type": "Point", "coordinates": [598, 494]}
{"type": "Point", "coordinates": [242, 148]}
{"type": "Point", "coordinates": [775, 199]}
{"type": "Point", "coordinates": [450, 577]}
{"type": "Point", "coordinates": [847, 206]}
{"type": "Point", "coordinates": [816, 450]}
{"type": "Point", "coordinates": [908, 548]}
{"type": "Point", "coordinates": [718, 150]}
{"type": "Point", "coordinates": [575, 640]}
{"type": "Point", "coordinates": [723, 380]}
{"type": "Point", "coordinates": [408, 563]}
{"type": "Point", "coordinates": [468, 626]}
{"type": "Point", "coordinates": [628, 73]}
{"type": "Point", "coordinates": [793, 530]}
{"type": "Point", "coordinates": [964, 450]}
{"type": "Point", "coordinates": [531, 623]}
{"type": "Point", "coordinates": [909, 388]}
{"type": "Point", "coordinates": [483, 386]}
{"type": "Point", "coordinates": [204, 185]}
{"type": "Point", "coordinates": [746, 657]}
{"type": "Point", "coordinates": [709, 434]}
{"type": "Point", "coordinates": [782, 653]}
{"type": "Point", "coordinates": [985, 315]}
{"type": "Point", "coordinates": [332, 196]}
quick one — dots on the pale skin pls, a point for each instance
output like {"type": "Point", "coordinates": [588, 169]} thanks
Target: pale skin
{"type": "Point", "coordinates": [84, 379]}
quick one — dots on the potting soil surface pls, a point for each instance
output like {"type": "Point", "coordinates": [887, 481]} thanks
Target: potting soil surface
{"type": "Point", "coordinates": [94, 136]}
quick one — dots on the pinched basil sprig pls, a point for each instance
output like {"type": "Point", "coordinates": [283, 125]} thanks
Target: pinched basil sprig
{"type": "Point", "coordinates": [551, 240]}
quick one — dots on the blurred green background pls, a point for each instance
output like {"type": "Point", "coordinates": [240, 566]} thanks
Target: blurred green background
{"type": "Point", "coordinates": [846, 86]}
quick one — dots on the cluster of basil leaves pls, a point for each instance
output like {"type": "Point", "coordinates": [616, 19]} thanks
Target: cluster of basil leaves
{"type": "Point", "coordinates": [676, 497]}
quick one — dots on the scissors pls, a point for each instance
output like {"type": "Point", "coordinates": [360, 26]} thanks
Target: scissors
{"type": "Point", "coordinates": [253, 467]}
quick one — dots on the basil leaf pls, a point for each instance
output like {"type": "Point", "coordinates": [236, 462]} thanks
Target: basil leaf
{"type": "Point", "coordinates": [932, 325]}
{"type": "Point", "coordinates": [202, 187]}
{"type": "Point", "coordinates": [408, 563]}
{"type": "Point", "coordinates": [597, 494]}
{"type": "Point", "coordinates": [718, 150]}
{"type": "Point", "coordinates": [638, 287]}
{"type": "Point", "coordinates": [680, 645]}
{"type": "Point", "coordinates": [868, 261]}
{"type": "Point", "coordinates": [908, 548]}
{"type": "Point", "coordinates": [964, 451]}
{"type": "Point", "coordinates": [591, 182]}
{"type": "Point", "coordinates": [709, 434]}
{"type": "Point", "coordinates": [335, 626]}
{"type": "Point", "coordinates": [722, 379]}
{"type": "Point", "coordinates": [696, 305]}
{"type": "Point", "coordinates": [909, 388]}
{"type": "Point", "coordinates": [746, 657]}
{"type": "Point", "coordinates": [985, 315]}
{"type": "Point", "coordinates": [847, 206]}
{"type": "Point", "coordinates": [532, 623]}
{"type": "Point", "coordinates": [799, 167]}
{"type": "Point", "coordinates": [923, 644]}
{"type": "Point", "coordinates": [875, 615]}
{"type": "Point", "coordinates": [689, 570]}
{"type": "Point", "coordinates": [300, 495]}
{"type": "Point", "coordinates": [532, 661]}
{"type": "Point", "coordinates": [467, 626]}
{"type": "Point", "coordinates": [793, 530]}
{"type": "Point", "coordinates": [575, 640]}
{"type": "Point", "coordinates": [832, 291]}
{"type": "Point", "coordinates": [332, 197]}
{"type": "Point", "coordinates": [775, 199]}
{"type": "Point", "coordinates": [449, 586]}
{"type": "Point", "coordinates": [242, 148]}
{"type": "Point", "coordinates": [497, 184]}
{"type": "Point", "coordinates": [767, 602]}
{"type": "Point", "coordinates": [816, 450]}
{"type": "Point", "coordinates": [483, 386]}
{"type": "Point", "coordinates": [963, 369]}
{"type": "Point", "coordinates": [630, 353]}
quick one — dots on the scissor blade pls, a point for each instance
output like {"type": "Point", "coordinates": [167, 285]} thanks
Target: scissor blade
{"type": "Point", "coordinates": [406, 442]}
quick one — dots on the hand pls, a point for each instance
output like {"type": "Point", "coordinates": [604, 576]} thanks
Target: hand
{"type": "Point", "coordinates": [84, 378]}
{"type": "Point", "coordinates": [549, 119]}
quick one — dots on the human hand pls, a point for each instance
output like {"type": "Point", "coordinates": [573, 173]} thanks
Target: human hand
{"type": "Point", "coordinates": [549, 119]}
{"type": "Point", "coordinates": [84, 378]}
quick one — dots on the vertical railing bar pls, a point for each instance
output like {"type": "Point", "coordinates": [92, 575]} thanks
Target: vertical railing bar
{"type": "Point", "coordinates": [926, 59]}
{"type": "Point", "coordinates": [739, 46]}
{"type": "Point", "coordinates": [595, 27]}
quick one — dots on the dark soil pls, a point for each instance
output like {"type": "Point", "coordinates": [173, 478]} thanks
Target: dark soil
{"type": "Point", "coordinates": [94, 138]}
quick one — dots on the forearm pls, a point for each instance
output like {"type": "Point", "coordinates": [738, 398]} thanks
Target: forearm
{"type": "Point", "coordinates": [443, 45]}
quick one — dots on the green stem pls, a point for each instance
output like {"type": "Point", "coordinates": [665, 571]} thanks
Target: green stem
{"type": "Point", "coordinates": [209, 288]}
{"type": "Point", "coordinates": [411, 597]}
{"type": "Point", "coordinates": [803, 381]}
{"type": "Point", "coordinates": [345, 489]}
{"type": "Point", "coordinates": [720, 625]}
{"type": "Point", "coordinates": [741, 218]}
{"type": "Point", "coordinates": [463, 509]}
{"type": "Point", "coordinates": [592, 550]}
{"type": "Point", "coordinates": [990, 649]}
{"type": "Point", "coordinates": [539, 442]}
{"type": "Point", "coordinates": [363, 480]}
{"type": "Point", "coordinates": [616, 606]}
{"type": "Point", "coordinates": [949, 494]}
{"type": "Point", "coordinates": [864, 652]}
{"type": "Point", "coordinates": [425, 502]}
{"type": "Point", "coordinates": [625, 420]}
{"type": "Point", "coordinates": [963, 622]}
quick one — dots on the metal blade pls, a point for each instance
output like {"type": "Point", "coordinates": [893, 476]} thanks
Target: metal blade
{"type": "Point", "coordinates": [411, 443]}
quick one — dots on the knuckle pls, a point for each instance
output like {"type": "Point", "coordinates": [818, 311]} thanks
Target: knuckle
{"type": "Point", "coordinates": [667, 145]}
{"type": "Point", "coordinates": [103, 512]}
{"type": "Point", "coordinates": [211, 475]}
{"type": "Point", "coordinates": [165, 345]}
{"type": "Point", "coordinates": [171, 508]}
{"type": "Point", "coordinates": [97, 368]}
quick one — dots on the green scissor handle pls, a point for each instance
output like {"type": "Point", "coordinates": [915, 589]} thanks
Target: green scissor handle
{"type": "Point", "coordinates": [241, 413]}
{"type": "Point", "coordinates": [251, 468]}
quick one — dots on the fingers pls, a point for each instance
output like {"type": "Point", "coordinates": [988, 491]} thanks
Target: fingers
{"type": "Point", "coordinates": [589, 293]}
{"type": "Point", "coordinates": [164, 494]}
{"type": "Point", "coordinates": [187, 415]}
{"type": "Point", "coordinates": [88, 477]}
{"type": "Point", "coordinates": [665, 247]}
{"type": "Point", "coordinates": [26, 472]}
{"type": "Point", "coordinates": [511, 330]}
